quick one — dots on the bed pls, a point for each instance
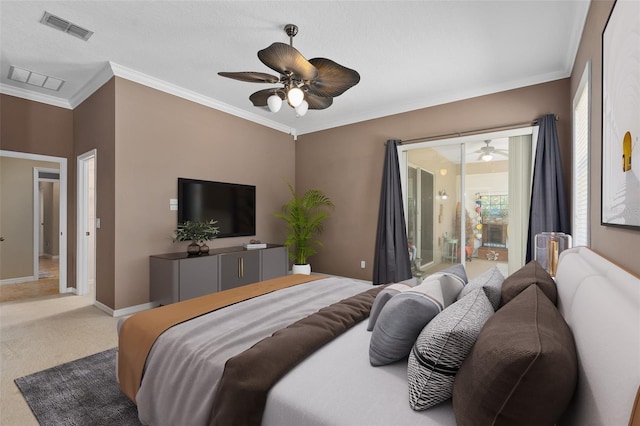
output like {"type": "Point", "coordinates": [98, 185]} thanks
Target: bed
{"type": "Point", "coordinates": [183, 373]}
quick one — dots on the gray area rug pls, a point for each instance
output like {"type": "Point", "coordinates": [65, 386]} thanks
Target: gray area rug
{"type": "Point", "coordinates": [80, 392]}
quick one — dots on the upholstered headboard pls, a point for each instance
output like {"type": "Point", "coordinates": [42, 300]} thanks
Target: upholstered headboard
{"type": "Point", "coordinates": [601, 303]}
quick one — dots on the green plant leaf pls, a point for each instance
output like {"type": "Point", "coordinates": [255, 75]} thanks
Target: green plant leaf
{"type": "Point", "coordinates": [304, 216]}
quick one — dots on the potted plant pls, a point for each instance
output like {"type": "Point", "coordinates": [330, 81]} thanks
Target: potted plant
{"type": "Point", "coordinates": [198, 233]}
{"type": "Point", "coordinates": [304, 216]}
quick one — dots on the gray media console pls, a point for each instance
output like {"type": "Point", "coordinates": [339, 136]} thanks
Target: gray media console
{"type": "Point", "coordinates": [177, 276]}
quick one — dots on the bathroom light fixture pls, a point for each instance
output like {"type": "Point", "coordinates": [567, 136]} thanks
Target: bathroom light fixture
{"type": "Point", "coordinates": [443, 194]}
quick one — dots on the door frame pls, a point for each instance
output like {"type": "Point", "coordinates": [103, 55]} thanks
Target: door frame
{"type": "Point", "coordinates": [62, 163]}
{"type": "Point", "coordinates": [82, 247]}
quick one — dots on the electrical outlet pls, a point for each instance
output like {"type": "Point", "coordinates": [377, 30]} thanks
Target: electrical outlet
{"type": "Point", "coordinates": [362, 264]}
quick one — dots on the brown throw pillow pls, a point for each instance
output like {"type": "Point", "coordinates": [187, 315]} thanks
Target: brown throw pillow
{"type": "Point", "coordinates": [522, 369]}
{"type": "Point", "coordinates": [529, 274]}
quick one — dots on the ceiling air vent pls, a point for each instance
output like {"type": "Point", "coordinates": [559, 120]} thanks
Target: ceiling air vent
{"type": "Point", "coordinates": [63, 25]}
{"type": "Point", "coordinates": [23, 75]}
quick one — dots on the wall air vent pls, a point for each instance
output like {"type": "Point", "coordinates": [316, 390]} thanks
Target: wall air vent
{"type": "Point", "coordinates": [65, 26]}
{"type": "Point", "coordinates": [35, 79]}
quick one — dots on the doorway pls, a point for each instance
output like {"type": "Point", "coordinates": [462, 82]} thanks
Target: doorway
{"type": "Point", "coordinates": [19, 217]}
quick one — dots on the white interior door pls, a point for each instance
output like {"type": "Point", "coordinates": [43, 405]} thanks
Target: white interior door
{"type": "Point", "coordinates": [87, 224]}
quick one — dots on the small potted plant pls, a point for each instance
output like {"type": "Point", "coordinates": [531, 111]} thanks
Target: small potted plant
{"type": "Point", "coordinates": [198, 233]}
{"type": "Point", "coordinates": [304, 216]}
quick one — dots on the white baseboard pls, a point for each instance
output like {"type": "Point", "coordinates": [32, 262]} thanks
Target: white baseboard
{"type": "Point", "coordinates": [18, 280]}
{"type": "Point", "coordinates": [125, 311]}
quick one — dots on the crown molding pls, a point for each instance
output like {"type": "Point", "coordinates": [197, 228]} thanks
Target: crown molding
{"type": "Point", "coordinates": [34, 96]}
{"type": "Point", "coordinates": [163, 86]}
{"type": "Point", "coordinates": [97, 81]}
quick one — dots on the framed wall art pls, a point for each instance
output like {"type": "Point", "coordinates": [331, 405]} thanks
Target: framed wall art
{"type": "Point", "coordinates": [621, 116]}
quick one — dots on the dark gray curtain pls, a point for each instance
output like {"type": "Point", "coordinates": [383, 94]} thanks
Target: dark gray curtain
{"type": "Point", "coordinates": [549, 211]}
{"type": "Point", "coordinates": [391, 261]}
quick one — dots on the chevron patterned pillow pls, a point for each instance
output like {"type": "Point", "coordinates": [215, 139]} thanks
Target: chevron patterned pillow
{"type": "Point", "coordinates": [441, 348]}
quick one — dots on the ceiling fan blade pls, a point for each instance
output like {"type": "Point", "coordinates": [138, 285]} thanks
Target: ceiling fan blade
{"type": "Point", "coordinates": [287, 60]}
{"type": "Point", "coordinates": [251, 77]}
{"type": "Point", "coordinates": [260, 97]}
{"type": "Point", "coordinates": [318, 102]}
{"type": "Point", "coordinates": [333, 79]}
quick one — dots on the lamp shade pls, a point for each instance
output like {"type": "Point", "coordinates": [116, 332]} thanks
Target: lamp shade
{"type": "Point", "coordinates": [295, 96]}
{"type": "Point", "coordinates": [302, 108]}
{"type": "Point", "coordinates": [274, 102]}
{"type": "Point", "coordinates": [487, 157]}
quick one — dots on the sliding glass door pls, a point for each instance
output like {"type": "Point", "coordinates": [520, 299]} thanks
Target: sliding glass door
{"type": "Point", "coordinates": [420, 212]}
{"type": "Point", "coordinates": [466, 201]}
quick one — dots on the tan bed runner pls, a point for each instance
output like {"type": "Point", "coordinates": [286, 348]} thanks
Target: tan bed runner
{"type": "Point", "coordinates": [139, 332]}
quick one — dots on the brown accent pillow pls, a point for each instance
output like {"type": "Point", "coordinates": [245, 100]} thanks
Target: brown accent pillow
{"type": "Point", "coordinates": [522, 369]}
{"type": "Point", "coordinates": [531, 273]}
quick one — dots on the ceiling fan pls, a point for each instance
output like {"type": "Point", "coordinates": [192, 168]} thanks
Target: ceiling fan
{"type": "Point", "coordinates": [305, 84]}
{"type": "Point", "coordinates": [487, 152]}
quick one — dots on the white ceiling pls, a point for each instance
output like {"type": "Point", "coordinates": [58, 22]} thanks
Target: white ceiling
{"type": "Point", "coordinates": [410, 54]}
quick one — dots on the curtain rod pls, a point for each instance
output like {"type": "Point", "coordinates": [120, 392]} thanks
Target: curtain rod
{"type": "Point", "coordinates": [471, 132]}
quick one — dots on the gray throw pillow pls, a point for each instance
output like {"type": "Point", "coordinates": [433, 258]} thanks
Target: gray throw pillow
{"type": "Point", "coordinates": [382, 298]}
{"type": "Point", "coordinates": [457, 270]}
{"type": "Point", "coordinates": [405, 314]}
{"type": "Point", "coordinates": [491, 282]}
{"type": "Point", "coordinates": [441, 348]}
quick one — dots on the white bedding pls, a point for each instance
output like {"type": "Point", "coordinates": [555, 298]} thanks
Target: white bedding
{"type": "Point", "coordinates": [186, 362]}
{"type": "Point", "coordinates": [338, 386]}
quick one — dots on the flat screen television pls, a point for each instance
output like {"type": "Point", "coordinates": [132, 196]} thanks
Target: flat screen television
{"type": "Point", "coordinates": [232, 205]}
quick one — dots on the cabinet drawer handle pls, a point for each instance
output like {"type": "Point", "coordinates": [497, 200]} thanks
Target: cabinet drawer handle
{"type": "Point", "coordinates": [240, 267]}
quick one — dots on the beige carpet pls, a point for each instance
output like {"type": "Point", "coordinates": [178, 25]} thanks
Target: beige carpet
{"type": "Point", "coordinates": [39, 333]}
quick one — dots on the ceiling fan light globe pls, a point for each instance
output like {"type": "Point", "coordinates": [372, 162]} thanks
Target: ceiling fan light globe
{"type": "Point", "coordinates": [487, 157]}
{"type": "Point", "coordinates": [302, 109]}
{"type": "Point", "coordinates": [295, 96]}
{"type": "Point", "coordinates": [274, 102]}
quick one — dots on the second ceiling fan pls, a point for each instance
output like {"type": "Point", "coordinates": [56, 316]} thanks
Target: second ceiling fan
{"type": "Point", "coordinates": [487, 152]}
{"type": "Point", "coordinates": [304, 84]}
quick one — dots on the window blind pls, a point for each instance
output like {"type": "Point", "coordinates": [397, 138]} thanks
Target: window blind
{"type": "Point", "coordinates": [581, 125]}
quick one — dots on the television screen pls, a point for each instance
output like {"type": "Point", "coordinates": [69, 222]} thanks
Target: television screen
{"type": "Point", "coordinates": [232, 205]}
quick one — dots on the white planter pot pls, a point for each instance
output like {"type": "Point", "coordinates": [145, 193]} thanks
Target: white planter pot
{"type": "Point", "coordinates": [301, 269]}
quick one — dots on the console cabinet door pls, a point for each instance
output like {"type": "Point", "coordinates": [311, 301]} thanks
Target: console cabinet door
{"type": "Point", "coordinates": [198, 276]}
{"type": "Point", "coordinates": [275, 262]}
{"type": "Point", "coordinates": [164, 280]}
{"type": "Point", "coordinates": [238, 269]}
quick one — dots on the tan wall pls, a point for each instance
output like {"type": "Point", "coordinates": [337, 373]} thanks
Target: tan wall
{"type": "Point", "coordinates": [620, 245]}
{"type": "Point", "coordinates": [36, 128]}
{"type": "Point", "coordinates": [94, 128]}
{"type": "Point", "coordinates": [159, 138]}
{"type": "Point", "coordinates": [347, 162]}
{"type": "Point", "coordinates": [16, 216]}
